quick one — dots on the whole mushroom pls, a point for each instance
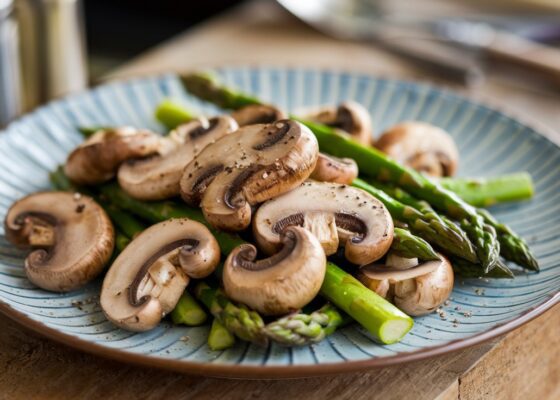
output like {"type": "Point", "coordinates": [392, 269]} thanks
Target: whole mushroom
{"type": "Point", "coordinates": [350, 117]}
{"type": "Point", "coordinates": [336, 215]}
{"type": "Point", "coordinates": [334, 169]}
{"type": "Point", "coordinates": [158, 177]}
{"type": "Point", "coordinates": [98, 158]}
{"type": "Point", "coordinates": [422, 146]}
{"type": "Point", "coordinates": [418, 290]}
{"type": "Point", "coordinates": [71, 237]}
{"type": "Point", "coordinates": [283, 283]}
{"type": "Point", "coordinates": [249, 166]}
{"type": "Point", "coordinates": [147, 279]}
{"type": "Point", "coordinates": [257, 114]}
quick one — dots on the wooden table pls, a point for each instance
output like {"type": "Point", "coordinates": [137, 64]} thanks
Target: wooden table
{"type": "Point", "coordinates": [524, 364]}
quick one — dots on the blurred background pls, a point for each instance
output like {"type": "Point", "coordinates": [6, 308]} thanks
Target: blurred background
{"type": "Point", "coordinates": [52, 47]}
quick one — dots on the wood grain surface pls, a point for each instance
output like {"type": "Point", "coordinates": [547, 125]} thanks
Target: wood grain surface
{"type": "Point", "coordinates": [525, 364]}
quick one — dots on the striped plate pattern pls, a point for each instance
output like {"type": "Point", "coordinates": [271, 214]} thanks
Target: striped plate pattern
{"type": "Point", "coordinates": [490, 143]}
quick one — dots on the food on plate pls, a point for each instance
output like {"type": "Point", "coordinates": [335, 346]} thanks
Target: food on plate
{"type": "Point", "coordinates": [98, 158]}
{"type": "Point", "coordinates": [158, 177]}
{"type": "Point", "coordinates": [147, 279]}
{"type": "Point", "coordinates": [334, 169]}
{"type": "Point", "coordinates": [281, 283]}
{"type": "Point", "coordinates": [70, 236]}
{"type": "Point", "coordinates": [247, 167]}
{"type": "Point", "coordinates": [350, 117]}
{"type": "Point", "coordinates": [337, 215]}
{"type": "Point", "coordinates": [421, 146]}
{"type": "Point", "coordinates": [350, 233]}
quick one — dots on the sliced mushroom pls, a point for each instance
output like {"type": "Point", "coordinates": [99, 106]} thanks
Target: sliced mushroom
{"type": "Point", "coordinates": [350, 117]}
{"type": "Point", "coordinates": [71, 237]}
{"type": "Point", "coordinates": [334, 169]}
{"type": "Point", "coordinates": [247, 167]}
{"type": "Point", "coordinates": [417, 291]}
{"type": "Point", "coordinates": [422, 146]}
{"type": "Point", "coordinates": [333, 213]}
{"type": "Point", "coordinates": [147, 279]}
{"type": "Point", "coordinates": [158, 177]}
{"type": "Point", "coordinates": [98, 158]}
{"type": "Point", "coordinates": [285, 282]}
{"type": "Point", "coordinates": [257, 114]}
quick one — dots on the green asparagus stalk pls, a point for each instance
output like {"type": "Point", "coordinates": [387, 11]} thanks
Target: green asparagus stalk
{"type": "Point", "coordinates": [188, 311]}
{"type": "Point", "coordinates": [300, 329]}
{"type": "Point", "coordinates": [121, 241]}
{"type": "Point", "coordinates": [206, 87]}
{"type": "Point", "coordinates": [513, 247]}
{"type": "Point", "coordinates": [426, 225]}
{"type": "Point", "coordinates": [236, 318]}
{"type": "Point", "coordinates": [219, 337]}
{"type": "Point", "coordinates": [469, 270]}
{"type": "Point", "coordinates": [484, 192]}
{"type": "Point", "coordinates": [88, 131]}
{"type": "Point", "coordinates": [172, 114]}
{"type": "Point", "coordinates": [407, 245]}
{"type": "Point", "coordinates": [383, 320]}
{"type": "Point", "coordinates": [125, 222]}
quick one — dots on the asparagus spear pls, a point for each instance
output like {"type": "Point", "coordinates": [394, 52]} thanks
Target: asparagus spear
{"type": "Point", "coordinates": [206, 87]}
{"type": "Point", "coordinates": [219, 337]}
{"type": "Point", "coordinates": [236, 318]}
{"type": "Point", "coordinates": [300, 329]}
{"type": "Point", "coordinates": [405, 244]}
{"type": "Point", "coordinates": [426, 225]}
{"type": "Point", "coordinates": [512, 247]}
{"type": "Point", "coordinates": [484, 192]}
{"type": "Point", "coordinates": [121, 241]}
{"type": "Point", "coordinates": [469, 270]}
{"type": "Point", "coordinates": [188, 311]}
{"type": "Point", "coordinates": [386, 322]}
{"type": "Point", "coordinates": [172, 114]}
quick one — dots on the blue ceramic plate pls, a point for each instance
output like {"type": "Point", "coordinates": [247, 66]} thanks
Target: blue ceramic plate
{"type": "Point", "coordinates": [490, 143]}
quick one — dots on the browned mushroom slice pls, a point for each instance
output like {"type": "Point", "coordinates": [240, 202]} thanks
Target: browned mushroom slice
{"type": "Point", "coordinates": [147, 279]}
{"type": "Point", "coordinates": [158, 177]}
{"type": "Point", "coordinates": [257, 114]}
{"type": "Point", "coordinates": [334, 169]}
{"type": "Point", "coordinates": [98, 158]}
{"type": "Point", "coordinates": [71, 236]}
{"type": "Point", "coordinates": [247, 167]}
{"type": "Point", "coordinates": [350, 117]}
{"type": "Point", "coordinates": [421, 146]}
{"type": "Point", "coordinates": [333, 213]}
{"type": "Point", "coordinates": [285, 282]}
{"type": "Point", "coordinates": [417, 290]}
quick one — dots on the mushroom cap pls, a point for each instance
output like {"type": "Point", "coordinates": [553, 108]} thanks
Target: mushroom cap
{"type": "Point", "coordinates": [98, 158]}
{"type": "Point", "coordinates": [257, 114]}
{"type": "Point", "coordinates": [71, 236]}
{"type": "Point", "coordinates": [350, 117]}
{"type": "Point", "coordinates": [334, 169]}
{"type": "Point", "coordinates": [331, 212]}
{"type": "Point", "coordinates": [249, 166]}
{"type": "Point", "coordinates": [158, 177]}
{"type": "Point", "coordinates": [422, 146]}
{"type": "Point", "coordinates": [282, 283]}
{"type": "Point", "coordinates": [418, 290]}
{"type": "Point", "coordinates": [147, 279]}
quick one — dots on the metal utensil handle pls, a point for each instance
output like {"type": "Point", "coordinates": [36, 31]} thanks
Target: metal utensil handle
{"type": "Point", "coordinates": [541, 59]}
{"type": "Point", "coordinates": [444, 64]}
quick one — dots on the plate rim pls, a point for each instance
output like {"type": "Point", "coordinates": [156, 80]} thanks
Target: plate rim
{"type": "Point", "coordinates": [306, 370]}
